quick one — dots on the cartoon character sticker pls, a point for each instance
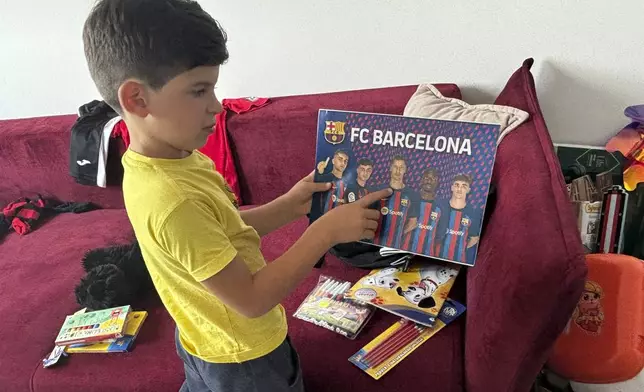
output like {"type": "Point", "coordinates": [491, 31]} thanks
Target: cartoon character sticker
{"type": "Point", "coordinates": [589, 315]}
{"type": "Point", "coordinates": [384, 278]}
{"type": "Point", "coordinates": [420, 293]}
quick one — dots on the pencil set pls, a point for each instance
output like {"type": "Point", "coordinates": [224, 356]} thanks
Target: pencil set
{"type": "Point", "coordinates": [401, 339]}
{"type": "Point", "coordinates": [327, 307]}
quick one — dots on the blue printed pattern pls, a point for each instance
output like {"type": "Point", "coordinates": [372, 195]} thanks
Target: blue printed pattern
{"type": "Point", "coordinates": [478, 165]}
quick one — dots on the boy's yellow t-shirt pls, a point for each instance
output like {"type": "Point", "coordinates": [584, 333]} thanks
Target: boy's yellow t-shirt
{"type": "Point", "coordinates": [189, 228]}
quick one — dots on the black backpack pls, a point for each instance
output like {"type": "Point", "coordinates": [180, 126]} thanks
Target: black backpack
{"type": "Point", "coordinates": [367, 256]}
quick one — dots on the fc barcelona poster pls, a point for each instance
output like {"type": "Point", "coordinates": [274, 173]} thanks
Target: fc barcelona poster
{"type": "Point", "coordinates": [439, 171]}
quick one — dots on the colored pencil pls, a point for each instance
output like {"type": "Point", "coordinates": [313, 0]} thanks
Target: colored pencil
{"type": "Point", "coordinates": [409, 330]}
{"type": "Point", "coordinates": [394, 348]}
{"type": "Point", "coordinates": [404, 325]}
{"type": "Point", "coordinates": [382, 345]}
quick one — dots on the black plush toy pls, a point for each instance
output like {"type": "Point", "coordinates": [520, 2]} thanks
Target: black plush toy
{"type": "Point", "coordinates": [116, 276]}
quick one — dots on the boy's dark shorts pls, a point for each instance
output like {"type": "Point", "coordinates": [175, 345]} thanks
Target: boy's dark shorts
{"type": "Point", "coordinates": [275, 372]}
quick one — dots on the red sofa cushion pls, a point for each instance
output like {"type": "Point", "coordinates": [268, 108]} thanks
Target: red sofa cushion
{"type": "Point", "coordinates": [38, 273]}
{"type": "Point", "coordinates": [275, 145]}
{"type": "Point", "coordinates": [530, 271]}
{"type": "Point", "coordinates": [153, 364]}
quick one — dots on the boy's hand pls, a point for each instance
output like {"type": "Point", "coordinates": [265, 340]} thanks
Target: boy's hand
{"type": "Point", "coordinates": [352, 222]}
{"type": "Point", "coordinates": [300, 196]}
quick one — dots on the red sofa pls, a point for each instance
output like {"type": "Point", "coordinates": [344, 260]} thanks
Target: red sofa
{"type": "Point", "coordinates": [527, 280]}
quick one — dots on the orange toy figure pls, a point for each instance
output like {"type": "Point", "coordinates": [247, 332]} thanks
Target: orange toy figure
{"type": "Point", "coordinates": [588, 314]}
{"type": "Point", "coordinates": [630, 142]}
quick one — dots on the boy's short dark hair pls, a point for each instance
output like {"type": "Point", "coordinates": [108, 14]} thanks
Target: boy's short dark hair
{"type": "Point", "coordinates": [365, 162]}
{"type": "Point", "coordinates": [150, 40]}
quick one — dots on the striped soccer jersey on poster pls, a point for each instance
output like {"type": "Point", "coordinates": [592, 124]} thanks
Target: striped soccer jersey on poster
{"type": "Point", "coordinates": [355, 192]}
{"type": "Point", "coordinates": [457, 226]}
{"type": "Point", "coordinates": [422, 238]}
{"type": "Point", "coordinates": [394, 212]}
{"type": "Point", "coordinates": [334, 196]}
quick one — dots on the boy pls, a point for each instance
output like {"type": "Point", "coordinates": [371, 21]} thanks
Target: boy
{"type": "Point", "coordinates": [156, 62]}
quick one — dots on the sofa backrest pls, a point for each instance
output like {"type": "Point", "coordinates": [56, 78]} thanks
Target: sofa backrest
{"type": "Point", "coordinates": [274, 146]}
{"type": "Point", "coordinates": [34, 159]}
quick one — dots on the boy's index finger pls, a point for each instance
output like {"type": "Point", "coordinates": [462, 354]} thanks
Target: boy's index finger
{"type": "Point", "coordinates": [375, 196]}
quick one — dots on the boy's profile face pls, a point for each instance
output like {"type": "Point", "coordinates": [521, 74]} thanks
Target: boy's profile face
{"type": "Point", "coordinates": [181, 114]}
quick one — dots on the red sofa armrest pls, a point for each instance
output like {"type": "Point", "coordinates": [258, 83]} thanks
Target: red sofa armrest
{"type": "Point", "coordinates": [34, 159]}
{"type": "Point", "coordinates": [530, 269]}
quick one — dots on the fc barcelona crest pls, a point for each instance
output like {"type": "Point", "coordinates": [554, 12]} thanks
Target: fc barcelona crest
{"type": "Point", "coordinates": [334, 132]}
{"type": "Point", "coordinates": [465, 222]}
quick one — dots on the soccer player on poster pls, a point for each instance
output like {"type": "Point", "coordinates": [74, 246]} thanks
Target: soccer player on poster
{"type": "Point", "coordinates": [335, 195]}
{"type": "Point", "coordinates": [460, 224]}
{"type": "Point", "coordinates": [359, 189]}
{"type": "Point", "coordinates": [398, 208]}
{"type": "Point", "coordinates": [422, 238]}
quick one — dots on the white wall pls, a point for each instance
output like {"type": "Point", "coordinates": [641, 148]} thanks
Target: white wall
{"type": "Point", "coordinates": [589, 57]}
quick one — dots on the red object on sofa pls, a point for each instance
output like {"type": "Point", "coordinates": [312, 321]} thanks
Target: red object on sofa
{"type": "Point", "coordinates": [498, 345]}
{"type": "Point", "coordinates": [217, 146]}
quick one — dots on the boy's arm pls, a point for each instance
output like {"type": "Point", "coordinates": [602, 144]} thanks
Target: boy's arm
{"type": "Point", "coordinates": [254, 294]}
{"type": "Point", "coordinates": [270, 216]}
{"type": "Point", "coordinates": [286, 208]}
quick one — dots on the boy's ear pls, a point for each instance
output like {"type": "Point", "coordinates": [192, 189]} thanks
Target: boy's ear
{"type": "Point", "coordinates": [133, 97]}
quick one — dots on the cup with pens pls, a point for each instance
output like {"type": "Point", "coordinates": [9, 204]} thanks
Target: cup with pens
{"type": "Point", "coordinates": [327, 307]}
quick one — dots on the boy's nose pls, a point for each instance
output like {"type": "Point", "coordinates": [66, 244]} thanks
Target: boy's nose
{"type": "Point", "coordinates": [216, 107]}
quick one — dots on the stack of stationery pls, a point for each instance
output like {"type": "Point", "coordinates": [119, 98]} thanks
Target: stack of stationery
{"type": "Point", "coordinates": [327, 307]}
{"type": "Point", "coordinates": [93, 326]}
{"type": "Point", "coordinates": [417, 294]}
{"type": "Point", "coordinates": [125, 343]}
{"type": "Point", "coordinates": [102, 331]}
